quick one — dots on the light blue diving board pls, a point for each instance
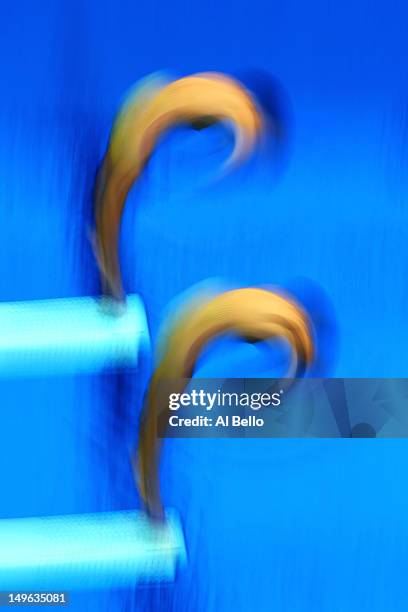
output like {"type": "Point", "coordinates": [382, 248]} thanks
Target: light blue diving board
{"type": "Point", "coordinates": [70, 335]}
{"type": "Point", "coordinates": [87, 551]}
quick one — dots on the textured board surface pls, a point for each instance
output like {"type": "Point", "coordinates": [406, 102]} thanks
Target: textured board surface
{"type": "Point", "coordinates": [108, 549]}
{"type": "Point", "coordinates": [69, 335]}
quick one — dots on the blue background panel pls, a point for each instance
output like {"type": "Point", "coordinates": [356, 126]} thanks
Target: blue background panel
{"type": "Point", "coordinates": [270, 525]}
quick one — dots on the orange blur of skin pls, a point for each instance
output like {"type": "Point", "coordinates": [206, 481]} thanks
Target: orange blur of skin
{"type": "Point", "coordinates": [251, 314]}
{"type": "Point", "coordinates": [196, 100]}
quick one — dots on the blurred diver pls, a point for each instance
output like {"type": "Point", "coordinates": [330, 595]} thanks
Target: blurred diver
{"type": "Point", "coordinates": [152, 109]}
{"type": "Point", "coordinates": [251, 314]}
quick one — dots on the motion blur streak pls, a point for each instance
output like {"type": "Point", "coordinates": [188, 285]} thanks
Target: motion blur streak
{"type": "Point", "coordinates": [199, 100]}
{"type": "Point", "coordinates": [252, 314]}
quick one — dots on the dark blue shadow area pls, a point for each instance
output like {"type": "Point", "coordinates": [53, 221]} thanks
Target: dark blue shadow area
{"type": "Point", "coordinates": [285, 525]}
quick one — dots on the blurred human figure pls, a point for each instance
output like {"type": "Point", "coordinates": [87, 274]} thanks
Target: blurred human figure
{"type": "Point", "coordinates": [152, 109]}
{"type": "Point", "coordinates": [251, 314]}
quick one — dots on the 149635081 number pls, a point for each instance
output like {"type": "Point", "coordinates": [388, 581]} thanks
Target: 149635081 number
{"type": "Point", "coordinates": [20, 598]}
